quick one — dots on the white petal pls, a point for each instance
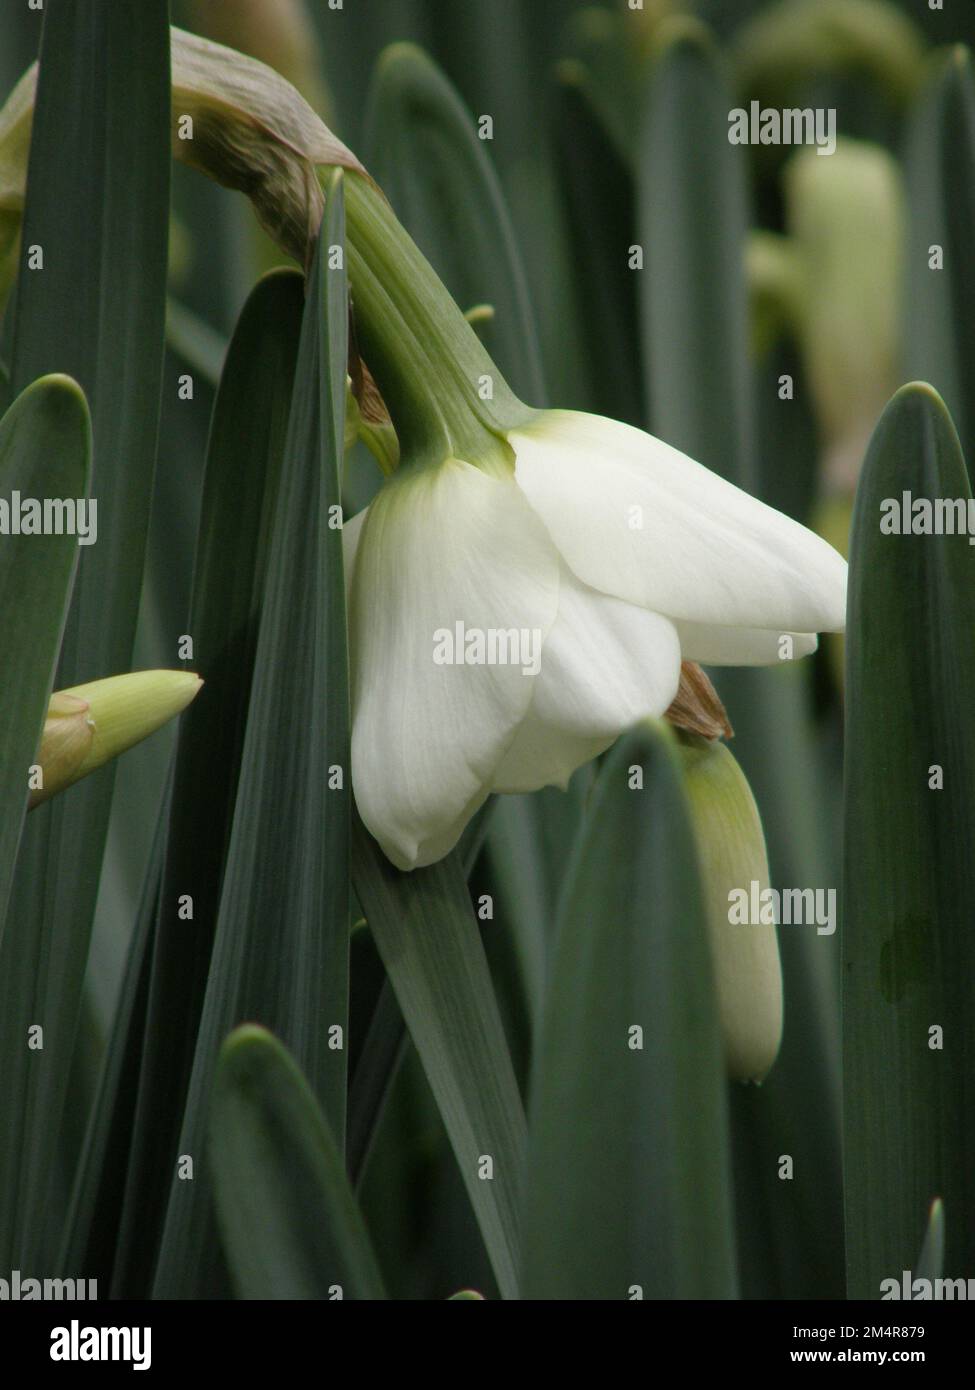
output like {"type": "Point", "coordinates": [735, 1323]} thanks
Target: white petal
{"type": "Point", "coordinates": [741, 646]}
{"type": "Point", "coordinates": [605, 665]}
{"type": "Point", "coordinates": [543, 756]}
{"type": "Point", "coordinates": [705, 552]}
{"type": "Point", "coordinates": [439, 547]}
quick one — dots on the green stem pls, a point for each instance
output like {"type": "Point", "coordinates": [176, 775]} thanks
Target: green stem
{"type": "Point", "coordinates": [427, 360]}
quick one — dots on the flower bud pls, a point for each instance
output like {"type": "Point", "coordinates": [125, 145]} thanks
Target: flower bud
{"type": "Point", "coordinates": [65, 744]}
{"type": "Point", "coordinates": [846, 215]}
{"type": "Point", "coordinates": [789, 45]}
{"type": "Point", "coordinates": [731, 849]}
{"type": "Point", "coordinates": [88, 725]}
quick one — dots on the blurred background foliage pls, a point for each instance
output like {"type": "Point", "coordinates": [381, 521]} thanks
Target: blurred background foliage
{"type": "Point", "coordinates": [609, 128]}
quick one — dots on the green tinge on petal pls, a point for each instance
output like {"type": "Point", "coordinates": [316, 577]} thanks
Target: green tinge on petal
{"type": "Point", "coordinates": [731, 847]}
{"type": "Point", "coordinates": [88, 725]}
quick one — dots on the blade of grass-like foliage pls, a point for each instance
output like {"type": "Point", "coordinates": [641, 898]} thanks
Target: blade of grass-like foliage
{"type": "Point", "coordinates": [97, 209]}
{"type": "Point", "coordinates": [939, 338]}
{"type": "Point", "coordinates": [159, 643]}
{"type": "Point", "coordinates": [629, 1188]}
{"type": "Point", "coordinates": [692, 208]}
{"type": "Point", "coordinates": [426, 155]}
{"type": "Point", "coordinates": [382, 1054]}
{"type": "Point", "coordinates": [386, 1038]}
{"type": "Point", "coordinates": [597, 186]}
{"type": "Point", "coordinates": [92, 1228]}
{"type": "Point", "coordinates": [909, 933]}
{"type": "Point", "coordinates": [45, 447]}
{"type": "Point", "coordinates": [289, 1221]}
{"type": "Point", "coordinates": [281, 948]}
{"type": "Point", "coordinates": [693, 220]}
{"type": "Point", "coordinates": [426, 932]}
{"type": "Point", "coordinates": [244, 460]}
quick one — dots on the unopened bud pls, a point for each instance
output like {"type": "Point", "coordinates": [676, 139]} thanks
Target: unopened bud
{"type": "Point", "coordinates": [846, 215]}
{"type": "Point", "coordinates": [88, 725]}
{"type": "Point", "coordinates": [731, 851]}
{"type": "Point", "coordinates": [788, 46]}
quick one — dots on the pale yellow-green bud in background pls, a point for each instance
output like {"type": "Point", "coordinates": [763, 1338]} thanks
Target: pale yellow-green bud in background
{"type": "Point", "coordinates": [642, 23]}
{"type": "Point", "coordinates": [731, 850]}
{"type": "Point", "coordinates": [846, 216]}
{"type": "Point", "coordinates": [88, 725]}
{"type": "Point", "coordinates": [791, 44]}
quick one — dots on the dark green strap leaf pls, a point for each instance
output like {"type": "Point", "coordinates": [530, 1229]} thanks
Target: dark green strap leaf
{"type": "Point", "coordinates": [289, 1221]}
{"type": "Point", "coordinates": [424, 927]}
{"type": "Point", "coordinates": [629, 1189]}
{"type": "Point", "coordinates": [280, 954]}
{"type": "Point", "coordinates": [90, 301]}
{"type": "Point", "coordinates": [244, 456]}
{"type": "Point", "coordinates": [909, 932]}
{"type": "Point", "coordinates": [45, 452]}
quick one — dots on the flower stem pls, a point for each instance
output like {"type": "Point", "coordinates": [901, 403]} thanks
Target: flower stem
{"type": "Point", "coordinates": [429, 363]}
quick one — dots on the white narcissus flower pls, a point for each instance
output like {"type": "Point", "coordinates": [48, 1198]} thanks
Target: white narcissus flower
{"type": "Point", "coordinates": [613, 551]}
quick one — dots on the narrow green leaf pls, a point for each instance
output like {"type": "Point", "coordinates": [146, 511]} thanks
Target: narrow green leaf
{"type": "Point", "coordinates": [909, 933]}
{"type": "Point", "coordinates": [939, 337]}
{"type": "Point", "coordinates": [92, 1228]}
{"type": "Point", "coordinates": [629, 1189]}
{"type": "Point", "coordinates": [426, 154]}
{"type": "Point", "coordinates": [425, 929]}
{"type": "Point", "coordinates": [597, 187]}
{"type": "Point", "coordinates": [382, 1054]}
{"type": "Point", "coordinates": [693, 221]}
{"type": "Point", "coordinates": [45, 448]}
{"type": "Point", "coordinates": [289, 1221]}
{"type": "Point", "coordinates": [97, 208]}
{"type": "Point", "coordinates": [243, 472]}
{"type": "Point", "coordinates": [280, 953]}
{"type": "Point", "coordinates": [386, 1038]}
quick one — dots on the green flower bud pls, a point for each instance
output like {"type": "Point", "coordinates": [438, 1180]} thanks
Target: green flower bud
{"type": "Point", "coordinates": [792, 44]}
{"type": "Point", "coordinates": [846, 215]}
{"type": "Point", "coordinates": [88, 725]}
{"type": "Point", "coordinates": [731, 847]}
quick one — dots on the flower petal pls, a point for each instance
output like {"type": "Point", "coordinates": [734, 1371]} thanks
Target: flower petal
{"type": "Point", "coordinates": [636, 518]}
{"type": "Point", "coordinates": [543, 756]}
{"type": "Point", "coordinates": [439, 547]}
{"type": "Point", "coordinates": [605, 665]}
{"type": "Point", "coordinates": [741, 646]}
